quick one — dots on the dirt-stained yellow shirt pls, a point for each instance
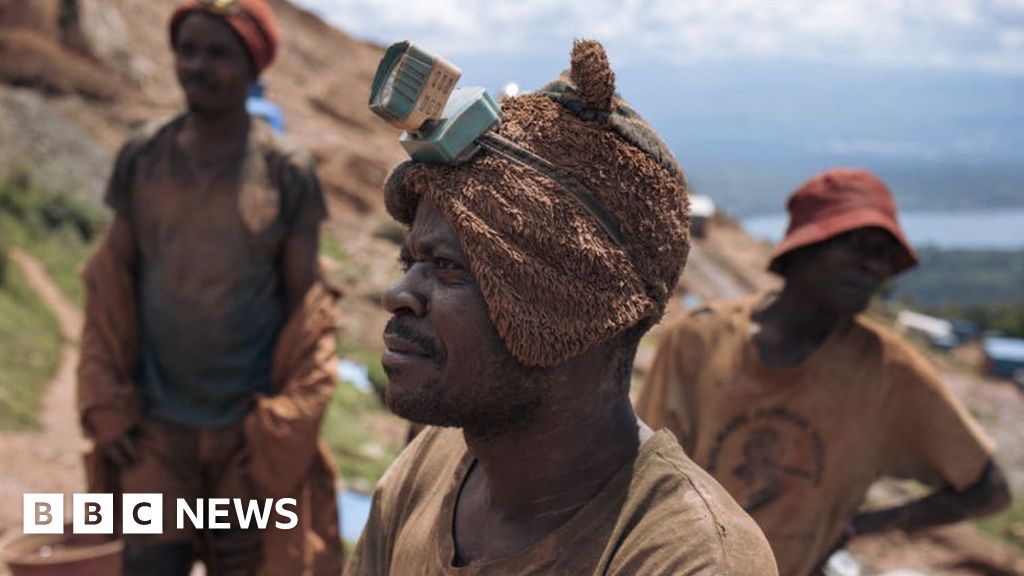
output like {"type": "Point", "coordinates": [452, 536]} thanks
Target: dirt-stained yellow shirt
{"type": "Point", "coordinates": [659, 514]}
{"type": "Point", "coordinates": [798, 447]}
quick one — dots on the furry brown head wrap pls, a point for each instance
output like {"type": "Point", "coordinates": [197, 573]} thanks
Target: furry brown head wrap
{"type": "Point", "coordinates": [574, 216]}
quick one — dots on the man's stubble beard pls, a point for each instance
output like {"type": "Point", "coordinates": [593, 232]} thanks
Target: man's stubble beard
{"type": "Point", "coordinates": [506, 403]}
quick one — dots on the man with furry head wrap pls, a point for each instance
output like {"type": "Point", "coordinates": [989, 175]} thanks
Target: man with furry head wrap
{"type": "Point", "coordinates": [531, 272]}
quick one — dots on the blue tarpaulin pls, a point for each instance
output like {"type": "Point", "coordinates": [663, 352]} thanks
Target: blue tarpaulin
{"type": "Point", "coordinates": [1006, 355]}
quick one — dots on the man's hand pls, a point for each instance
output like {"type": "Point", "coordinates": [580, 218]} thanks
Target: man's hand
{"type": "Point", "coordinates": [123, 451]}
{"type": "Point", "coordinates": [113, 435]}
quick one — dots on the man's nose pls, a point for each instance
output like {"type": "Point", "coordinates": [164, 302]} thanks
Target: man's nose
{"type": "Point", "coordinates": [192, 62]}
{"type": "Point", "coordinates": [879, 265]}
{"type": "Point", "coordinates": [405, 295]}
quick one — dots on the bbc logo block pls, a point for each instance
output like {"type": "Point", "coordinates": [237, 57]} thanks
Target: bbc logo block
{"type": "Point", "coordinates": [92, 513]}
{"type": "Point", "coordinates": [144, 513]}
{"type": "Point", "coordinates": [42, 513]}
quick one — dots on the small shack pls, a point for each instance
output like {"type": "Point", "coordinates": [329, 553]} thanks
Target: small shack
{"type": "Point", "coordinates": [702, 209]}
{"type": "Point", "coordinates": [1005, 357]}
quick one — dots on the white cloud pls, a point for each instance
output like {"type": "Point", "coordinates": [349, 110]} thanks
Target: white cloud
{"type": "Point", "coordinates": [985, 34]}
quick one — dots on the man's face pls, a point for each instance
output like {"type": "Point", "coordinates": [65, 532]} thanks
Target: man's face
{"type": "Point", "coordinates": [212, 64]}
{"type": "Point", "coordinates": [446, 363]}
{"type": "Point", "coordinates": [842, 273]}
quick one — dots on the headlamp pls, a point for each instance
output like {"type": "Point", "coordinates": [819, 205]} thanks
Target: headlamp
{"type": "Point", "coordinates": [415, 90]}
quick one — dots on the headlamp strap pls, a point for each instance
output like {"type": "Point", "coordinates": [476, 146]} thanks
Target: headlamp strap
{"type": "Point", "coordinates": [509, 150]}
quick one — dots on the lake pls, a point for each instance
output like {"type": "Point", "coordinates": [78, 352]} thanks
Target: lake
{"type": "Point", "coordinates": [354, 512]}
{"type": "Point", "coordinates": [1001, 229]}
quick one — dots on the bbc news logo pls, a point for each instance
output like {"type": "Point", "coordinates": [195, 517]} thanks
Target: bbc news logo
{"type": "Point", "coordinates": [144, 513]}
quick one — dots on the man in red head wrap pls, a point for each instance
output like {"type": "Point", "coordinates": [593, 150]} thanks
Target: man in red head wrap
{"type": "Point", "coordinates": [796, 403]}
{"type": "Point", "coordinates": [207, 351]}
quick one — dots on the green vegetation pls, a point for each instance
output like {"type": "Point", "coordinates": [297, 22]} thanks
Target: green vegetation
{"type": "Point", "coordinates": [966, 278]}
{"type": "Point", "coordinates": [1005, 319]}
{"type": "Point", "coordinates": [1008, 525]}
{"type": "Point", "coordinates": [362, 457]}
{"type": "Point", "coordinates": [982, 286]}
{"type": "Point", "coordinates": [58, 230]}
{"type": "Point", "coordinates": [30, 344]}
{"type": "Point", "coordinates": [330, 247]}
{"type": "Point", "coordinates": [54, 226]}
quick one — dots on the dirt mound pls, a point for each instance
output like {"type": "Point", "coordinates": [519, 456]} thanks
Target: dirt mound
{"type": "Point", "coordinates": [33, 60]}
{"type": "Point", "coordinates": [34, 132]}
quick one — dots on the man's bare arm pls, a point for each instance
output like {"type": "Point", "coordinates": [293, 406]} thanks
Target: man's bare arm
{"type": "Point", "coordinates": [988, 495]}
{"type": "Point", "coordinates": [299, 266]}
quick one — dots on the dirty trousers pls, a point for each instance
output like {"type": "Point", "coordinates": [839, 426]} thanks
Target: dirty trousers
{"type": "Point", "coordinates": [179, 461]}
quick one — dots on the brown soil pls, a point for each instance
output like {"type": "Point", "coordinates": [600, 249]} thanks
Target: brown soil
{"type": "Point", "coordinates": [48, 460]}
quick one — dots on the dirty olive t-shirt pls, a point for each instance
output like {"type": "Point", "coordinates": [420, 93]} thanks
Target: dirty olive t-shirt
{"type": "Point", "coordinates": [659, 514]}
{"type": "Point", "coordinates": [209, 241]}
{"type": "Point", "coordinates": [799, 447]}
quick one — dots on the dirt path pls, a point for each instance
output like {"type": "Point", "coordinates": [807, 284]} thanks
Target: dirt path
{"type": "Point", "coordinates": [47, 460]}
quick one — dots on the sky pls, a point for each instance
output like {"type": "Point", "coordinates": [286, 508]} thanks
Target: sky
{"type": "Point", "coordinates": [959, 34]}
{"type": "Point", "coordinates": [754, 95]}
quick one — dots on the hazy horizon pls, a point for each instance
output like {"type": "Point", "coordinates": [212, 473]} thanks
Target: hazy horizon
{"type": "Point", "coordinates": [755, 98]}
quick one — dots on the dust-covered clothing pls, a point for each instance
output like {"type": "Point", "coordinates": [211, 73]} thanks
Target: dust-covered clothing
{"type": "Point", "coordinates": [659, 514]}
{"type": "Point", "coordinates": [184, 462]}
{"type": "Point", "coordinates": [209, 243]}
{"type": "Point", "coordinates": [285, 457]}
{"type": "Point", "coordinates": [798, 447]}
{"type": "Point", "coordinates": [273, 452]}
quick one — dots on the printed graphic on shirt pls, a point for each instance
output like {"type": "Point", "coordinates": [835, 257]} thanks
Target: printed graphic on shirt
{"type": "Point", "coordinates": [764, 454]}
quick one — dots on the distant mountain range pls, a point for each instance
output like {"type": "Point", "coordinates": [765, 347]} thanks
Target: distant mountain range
{"type": "Point", "coordinates": [963, 277]}
{"type": "Point", "coordinates": [748, 134]}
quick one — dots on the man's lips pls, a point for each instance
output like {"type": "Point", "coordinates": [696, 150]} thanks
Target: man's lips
{"type": "Point", "coordinates": [399, 345]}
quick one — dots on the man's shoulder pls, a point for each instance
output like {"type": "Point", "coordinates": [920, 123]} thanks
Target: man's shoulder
{"type": "Point", "coordinates": [682, 517]}
{"type": "Point", "coordinates": [429, 460]}
{"type": "Point", "coordinates": [280, 150]}
{"type": "Point", "coordinates": [893, 350]}
{"type": "Point", "coordinates": [710, 319]}
{"type": "Point", "coordinates": [148, 136]}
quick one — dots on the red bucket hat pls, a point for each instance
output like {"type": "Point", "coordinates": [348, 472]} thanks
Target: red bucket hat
{"type": "Point", "coordinates": [837, 201]}
{"type": "Point", "coordinates": [252, 20]}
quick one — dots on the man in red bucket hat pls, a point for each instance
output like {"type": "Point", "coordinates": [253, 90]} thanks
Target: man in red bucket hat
{"type": "Point", "coordinates": [796, 403]}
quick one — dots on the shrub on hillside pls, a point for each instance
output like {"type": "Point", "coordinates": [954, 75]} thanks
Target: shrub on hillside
{"type": "Point", "coordinates": [41, 210]}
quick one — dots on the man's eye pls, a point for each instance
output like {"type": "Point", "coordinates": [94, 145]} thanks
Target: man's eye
{"type": "Point", "coordinates": [446, 264]}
